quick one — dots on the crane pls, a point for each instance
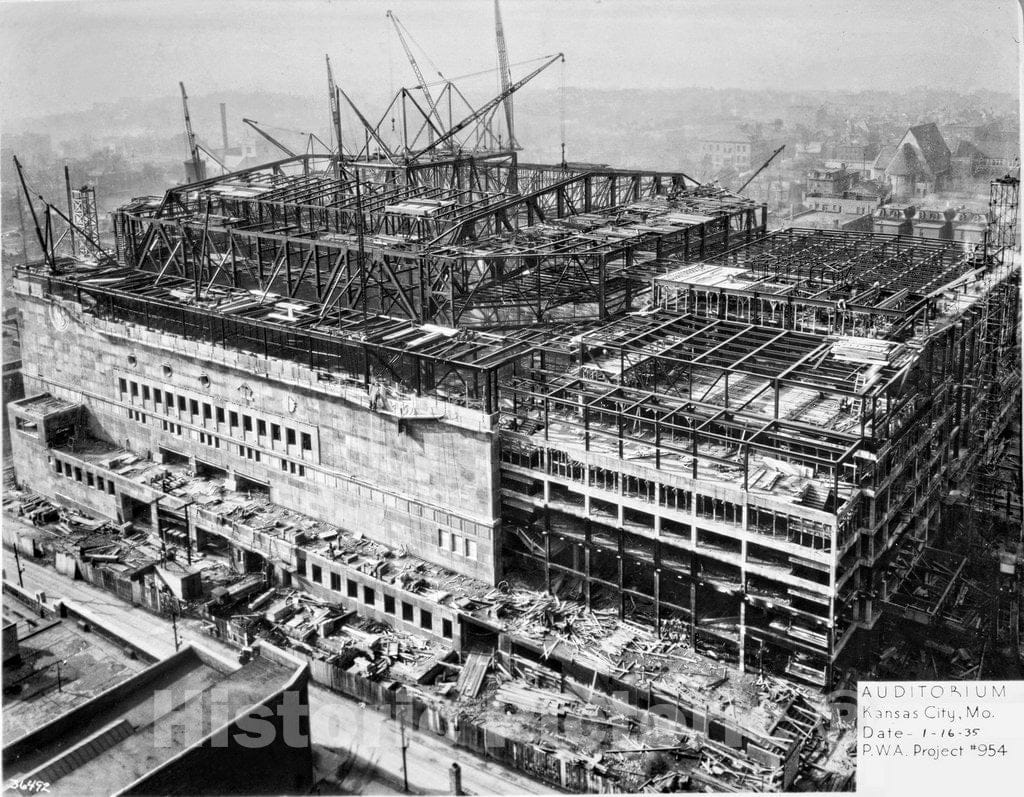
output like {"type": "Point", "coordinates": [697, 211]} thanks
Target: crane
{"type": "Point", "coordinates": [270, 138]}
{"type": "Point", "coordinates": [385, 149]}
{"type": "Point", "coordinates": [431, 105]}
{"type": "Point", "coordinates": [504, 73]}
{"type": "Point", "coordinates": [199, 172]}
{"type": "Point", "coordinates": [763, 167]}
{"type": "Point", "coordinates": [487, 107]}
{"type": "Point", "coordinates": [335, 103]}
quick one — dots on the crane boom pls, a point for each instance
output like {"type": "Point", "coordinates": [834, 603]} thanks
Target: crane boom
{"type": "Point", "coordinates": [193, 149]}
{"type": "Point", "coordinates": [335, 104]}
{"type": "Point", "coordinates": [763, 167]}
{"type": "Point", "coordinates": [431, 105]}
{"type": "Point", "coordinates": [269, 138]}
{"type": "Point", "coordinates": [504, 72]}
{"type": "Point", "coordinates": [369, 128]}
{"type": "Point", "coordinates": [488, 107]}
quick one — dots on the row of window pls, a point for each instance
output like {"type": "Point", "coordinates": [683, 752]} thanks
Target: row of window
{"type": "Point", "coordinates": [461, 546]}
{"type": "Point", "coordinates": [203, 411]}
{"type": "Point", "coordinates": [87, 477]}
{"type": "Point", "coordinates": [369, 596]}
{"type": "Point", "coordinates": [253, 454]}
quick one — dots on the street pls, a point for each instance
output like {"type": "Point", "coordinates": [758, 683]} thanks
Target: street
{"type": "Point", "coordinates": [357, 749]}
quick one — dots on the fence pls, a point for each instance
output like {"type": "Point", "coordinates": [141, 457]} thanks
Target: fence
{"type": "Point", "coordinates": [396, 701]}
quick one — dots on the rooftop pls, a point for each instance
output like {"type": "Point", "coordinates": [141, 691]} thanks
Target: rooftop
{"type": "Point", "coordinates": [89, 665]}
{"type": "Point", "coordinates": [124, 740]}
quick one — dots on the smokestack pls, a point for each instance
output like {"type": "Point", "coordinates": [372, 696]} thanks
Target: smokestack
{"type": "Point", "coordinates": [224, 125]}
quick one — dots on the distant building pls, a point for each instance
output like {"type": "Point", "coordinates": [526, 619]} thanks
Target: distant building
{"type": "Point", "coordinates": [854, 157]}
{"type": "Point", "coordinates": [950, 224]}
{"type": "Point", "coordinates": [828, 220]}
{"type": "Point", "coordinates": [840, 191]}
{"type": "Point", "coordinates": [920, 164]}
{"type": "Point", "coordinates": [726, 147]}
{"type": "Point", "coordinates": [829, 182]}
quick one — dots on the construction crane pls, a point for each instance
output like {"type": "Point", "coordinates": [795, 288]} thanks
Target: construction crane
{"type": "Point", "coordinates": [431, 105]}
{"type": "Point", "coordinates": [763, 167]}
{"type": "Point", "coordinates": [335, 104]}
{"type": "Point", "coordinates": [211, 156]}
{"type": "Point", "coordinates": [488, 107]}
{"type": "Point", "coordinates": [255, 126]}
{"type": "Point", "coordinates": [504, 73]}
{"type": "Point", "coordinates": [199, 172]}
{"type": "Point", "coordinates": [370, 129]}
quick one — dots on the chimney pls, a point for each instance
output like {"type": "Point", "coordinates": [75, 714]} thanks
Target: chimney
{"type": "Point", "coordinates": [224, 125]}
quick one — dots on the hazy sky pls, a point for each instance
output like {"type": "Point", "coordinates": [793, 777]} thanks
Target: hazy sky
{"type": "Point", "coordinates": [72, 54]}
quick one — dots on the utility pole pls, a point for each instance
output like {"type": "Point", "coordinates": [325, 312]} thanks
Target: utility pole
{"type": "Point", "coordinates": [17, 564]}
{"type": "Point", "coordinates": [405, 746]}
{"type": "Point", "coordinates": [174, 625]}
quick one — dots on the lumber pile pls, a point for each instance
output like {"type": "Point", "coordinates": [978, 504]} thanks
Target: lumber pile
{"type": "Point", "coordinates": [471, 678]}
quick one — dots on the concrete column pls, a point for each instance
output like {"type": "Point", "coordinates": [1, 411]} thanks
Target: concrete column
{"type": "Point", "coordinates": [743, 634]}
{"type": "Point", "coordinates": [455, 779]}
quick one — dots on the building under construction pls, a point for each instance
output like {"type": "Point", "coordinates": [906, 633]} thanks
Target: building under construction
{"type": "Point", "coordinates": [616, 386]}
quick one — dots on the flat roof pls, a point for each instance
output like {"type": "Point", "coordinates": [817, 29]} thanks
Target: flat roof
{"type": "Point", "coordinates": [90, 664]}
{"type": "Point", "coordinates": [147, 732]}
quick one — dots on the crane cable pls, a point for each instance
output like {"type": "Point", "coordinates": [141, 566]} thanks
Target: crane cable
{"type": "Point", "coordinates": [527, 62]}
{"type": "Point", "coordinates": [561, 110]}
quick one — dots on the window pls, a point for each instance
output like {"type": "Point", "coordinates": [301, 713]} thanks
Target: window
{"type": "Point", "coordinates": [220, 415]}
{"type": "Point", "coordinates": [168, 401]}
{"type": "Point", "coordinates": [368, 596]}
{"type": "Point", "coordinates": [247, 423]}
{"type": "Point", "coordinates": [145, 392]}
{"type": "Point", "coordinates": [122, 386]}
{"type": "Point", "coordinates": [284, 465]}
{"type": "Point", "coordinates": [336, 582]}
{"type": "Point", "coordinates": [207, 412]}
{"type": "Point", "coordinates": [300, 566]}
{"type": "Point", "coordinates": [470, 549]}
{"type": "Point", "coordinates": [57, 467]}
{"type": "Point", "coordinates": [407, 611]}
{"type": "Point", "coordinates": [110, 487]}
{"type": "Point", "coordinates": [275, 431]}
{"type": "Point", "coordinates": [181, 403]}
{"type": "Point", "coordinates": [261, 427]}
{"type": "Point", "coordinates": [291, 436]}
{"type": "Point", "coordinates": [135, 389]}
{"type": "Point", "coordinates": [99, 484]}
{"type": "Point", "coordinates": [78, 474]}
{"type": "Point", "coordinates": [426, 620]}
{"type": "Point", "coordinates": [232, 419]}
{"type": "Point", "coordinates": [90, 479]}
{"type": "Point", "coordinates": [352, 588]}
{"type": "Point", "coordinates": [446, 628]}
{"type": "Point", "coordinates": [307, 442]}
{"type": "Point", "coordinates": [67, 469]}
{"type": "Point", "coordinates": [193, 407]}
{"type": "Point", "coordinates": [389, 604]}
{"type": "Point", "coordinates": [158, 396]}
{"type": "Point", "coordinates": [442, 539]}
{"type": "Point", "coordinates": [318, 574]}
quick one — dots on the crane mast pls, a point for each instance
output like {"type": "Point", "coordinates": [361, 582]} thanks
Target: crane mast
{"type": "Point", "coordinates": [193, 150]}
{"type": "Point", "coordinates": [505, 73]}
